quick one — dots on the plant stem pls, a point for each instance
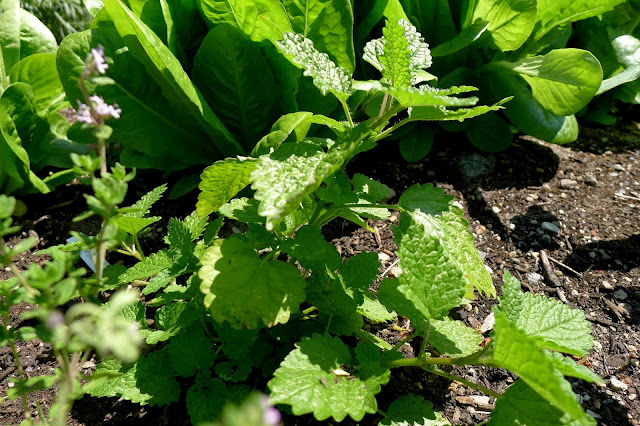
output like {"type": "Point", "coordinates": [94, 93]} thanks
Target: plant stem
{"type": "Point", "coordinates": [423, 347]}
{"type": "Point", "coordinates": [16, 272]}
{"type": "Point", "coordinates": [403, 341]}
{"type": "Point", "coordinates": [388, 131]}
{"type": "Point", "coordinates": [138, 247]}
{"type": "Point", "coordinates": [21, 375]}
{"type": "Point", "coordinates": [347, 113]}
{"type": "Point", "coordinates": [309, 310]}
{"type": "Point", "coordinates": [465, 382]}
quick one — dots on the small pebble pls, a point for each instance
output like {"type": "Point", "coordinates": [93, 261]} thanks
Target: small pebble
{"type": "Point", "coordinates": [393, 218]}
{"type": "Point", "coordinates": [548, 226]}
{"type": "Point", "coordinates": [395, 271]}
{"type": "Point", "coordinates": [563, 195]}
{"type": "Point", "coordinates": [512, 226]}
{"type": "Point", "coordinates": [594, 415]}
{"type": "Point", "coordinates": [568, 183]}
{"type": "Point", "coordinates": [632, 396]}
{"type": "Point", "coordinates": [617, 385]}
{"type": "Point", "coordinates": [620, 294]}
{"type": "Point", "coordinates": [618, 167]}
{"type": "Point", "coordinates": [534, 279]}
{"type": "Point", "coordinates": [590, 180]}
{"type": "Point", "coordinates": [605, 285]}
{"type": "Point", "coordinates": [383, 257]}
{"type": "Point", "coordinates": [495, 209]}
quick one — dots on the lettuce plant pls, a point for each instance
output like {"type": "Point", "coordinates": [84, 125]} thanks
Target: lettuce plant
{"type": "Point", "coordinates": [277, 306]}
{"type": "Point", "coordinates": [507, 48]}
{"type": "Point", "coordinates": [32, 133]}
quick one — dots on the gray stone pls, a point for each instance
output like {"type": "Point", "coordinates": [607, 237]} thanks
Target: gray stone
{"type": "Point", "coordinates": [568, 183]}
{"type": "Point", "coordinates": [618, 167]}
{"type": "Point", "coordinates": [535, 279]}
{"type": "Point", "coordinates": [617, 385]}
{"type": "Point", "coordinates": [606, 285]}
{"type": "Point", "coordinates": [495, 209]}
{"type": "Point", "coordinates": [590, 180]}
{"type": "Point", "coordinates": [620, 294]}
{"type": "Point", "coordinates": [474, 165]}
{"type": "Point", "coordinates": [548, 226]}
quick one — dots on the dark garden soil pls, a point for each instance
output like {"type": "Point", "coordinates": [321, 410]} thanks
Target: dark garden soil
{"type": "Point", "coordinates": [577, 206]}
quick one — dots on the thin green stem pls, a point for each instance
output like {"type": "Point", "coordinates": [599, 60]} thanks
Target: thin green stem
{"type": "Point", "coordinates": [21, 375]}
{"type": "Point", "coordinates": [329, 323]}
{"type": "Point", "coordinates": [16, 272]}
{"type": "Point", "coordinates": [465, 382]}
{"type": "Point", "coordinates": [369, 206]}
{"type": "Point", "coordinates": [136, 240]}
{"type": "Point", "coordinates": [309, 310]}
{"type": "Point", "coordinates": [423, 347]}
{"type": "Point", "coordinates": [403, 341]}
{"type": "Point", "coordinates": [388, 131]}
{"type": "Point", "coordinates": [383, 107]}
{"type": "Point", "coordinates": [346, 112]}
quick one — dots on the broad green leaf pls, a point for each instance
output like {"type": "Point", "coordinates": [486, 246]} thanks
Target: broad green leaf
{"type": "Point", "coordinates": [432, 208]}
{"type": "Point", "coordinates": [235, 79]}
{"type": "Point", "coordinates": [424, 95]}
{"type": "Point", "coordinates": [39, 71]}
{"type": "Point", "coordinates": [283, 179]}
{"type": "Point", "coordinates": [370, 189]}
{"type": "Point", "coordinates": [151, 265]}
{"type": "Point", "coordinates": [150, 12]}
{"type": "Point", "coordinates": [462, 40]}
{"type": "Point", "coordinates": [320, 377]}
{"type": "Point", "coordinates": [569, 367]}
{"type": "Point", "coordinates": [10, 13]}
{"type": "Point", "coordinates": [361, 270]}
{"type": "Point", "coordinates": [431, 283]}
{"type": "Point", "coordinates": [246, 291]}
{"type": "Point", "coordinates": [242, 209]}
{"type": "Point", "coordinates": [205, 398]}
{"type": "Point", "coordinates": [17, 118]}
{"type": "Point", "coordinates": [327, 76]}
{"type": "Point", "coordinates": [329, 23]}
{"type": "Point", "coordinates": [170, 138]}
{"type": "Point", "coordinates": [512, 349]}
{"type": "Point", "coordinates": [548, 322]}
{"type": "Point", "coordinates": [552, 13]}
{"type": "Point", "coordinates": [148, 381]}
{"type": "Point", "coordinates": [412, 410]}
{"type": "Point", "coordinates": [190, 351]}
{"type": "Point", "coordinates": [133, 225]}
{"type": "Point", "coordinates": [147, 201]}
{"type": "Point", "coordinates": [374, 310]}
{"type": "Point", "coordinates": [165, 69]}
{"type": "Point", "coordinates": [416, 143]}
{"type": "Point", "coordinates": [522, 405]}
{"type": "Point", "coordinates": [628, 75]}
{"type": "Point", "coordinates": [221, 181]}
{"type": "Point", "coordinates": [171, 319]}
{"type": "Point", "coordinates": [291, 127]}
{"type": "Point", "coordinates": [440, 113]}
{"type": "Point", "coordinates": [312, 250]}
{"type": "Point", "coordinates": [260, 19]}
{"type": "Point", "coordinates": [490, 133]}
{"type": "Point", "coordinates": [510, 21]}
{"type": "Point", "coordinates": [332, 294]}
{"type": "Point", "coordinates": [35, 37]}
{"type": "Point", "coordinates": [400, 54]}
{"type": "Point", "coordinates": [527, 114]}
{"type": "Point", "coordinates": [453, 337]}
{"type": "Point", "coordinates": [563, 80]}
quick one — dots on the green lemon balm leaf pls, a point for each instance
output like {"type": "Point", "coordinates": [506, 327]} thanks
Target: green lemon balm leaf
{"type": "Point", "coordinates": [319, 377]}
{"type": "Point", "coordinates": [412, 410]}
{"type": "Point", "coordinates": [246, 291]}
{"type": "Point", "coordinates": [569, 367]}
{"type": "Point", "coordinates": [522, 405]}
{"type": "Point", "coordinates": [327, 76]}
{"type": "Point", "coordinates": [453, 337]}
{"type": "Point", "coordinates": [512, 349]}
{"type": "Point", "coordinates": [551, 323]}
{"type": "Point", "coordinates": [222, 181]}
{"type": "Point", "coordinates": [444, 221]}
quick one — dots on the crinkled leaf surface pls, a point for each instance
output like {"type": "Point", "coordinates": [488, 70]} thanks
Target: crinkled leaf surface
{"type": "Point", "coordinates": [151, 265]}
{"type": "Point", "coordinates": [148, 381]}
{"type": "Point", "coordinates": [221, 181]}
{"type": "Point", "coordinates": [563, 80]}
{"type": "Point", "coordinates": [442, 220]}
{"type": "Point", "coordinates": [312, 250]}
{"type": "Point", "coordinates": [327, 76]}
{"type": "Point", "coordinates": [312, 379]}
{"type": "Point", "coordinates": [206, 398]}
{"type": "Point", "coordinates": [522, 405]}
{"type": "Point", "coordinates": [440, 113]}
{"type": "Point", "coordinates": [190, 351]}
{"type": "Point", "coordinates": [374, 310]}
{"type": "Point", "coordinates": [329, 23]}
{"type": "Point", "coordinates": [512, 349]}
{"type": "Point", "coordinates": [453, 337]}
{"type": "Point", "coordinates": [412, 410]}
{"type": "Point", "coordinates": [424, 95]}
{"type": "Point", "coordinates": [568, 367]}
{"type": "Point", "coordinates": [246, 291]}
{"type": "Point", "coordinates": [549, 322]}
{"type": "Point", "coordinates": [147, 201]}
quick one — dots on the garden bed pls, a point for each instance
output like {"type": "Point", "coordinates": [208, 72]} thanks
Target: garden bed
{"type": "Point", "coordinates": [578, 205]}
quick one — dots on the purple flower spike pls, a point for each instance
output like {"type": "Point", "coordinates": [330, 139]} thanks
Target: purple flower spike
{"type": "Point", "coordinates": [99, 112]}
{"type": "Point", "coordinates": [95, 62]}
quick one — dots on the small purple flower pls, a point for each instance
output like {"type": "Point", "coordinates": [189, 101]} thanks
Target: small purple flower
{"type": "Point", "coordinates": [271, 416]}
{"type": "Point", "coordinates": [96, 61]}
{"type": "Point", "coordinates": [99, 112]}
